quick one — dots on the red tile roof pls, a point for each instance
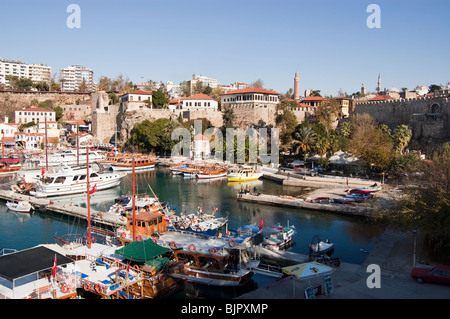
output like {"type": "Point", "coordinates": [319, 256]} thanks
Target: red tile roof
{"type": "Point", "coordinates": [381, 98]}
{"type": "Point", "coordinates": [300, 104]}
{"type": "Point", "coordinates": [313, 98]}
{"type": "Point", "coordinates": [251, 90]}
{"type": "Point", "coordinates": [198, 97]}
{"type": "Point", "coordinates": [141, 92]}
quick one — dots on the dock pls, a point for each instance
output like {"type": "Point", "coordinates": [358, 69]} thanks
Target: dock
{"type": "Point", "coordinates": [49, 205]}
{"type": "Point", "coordinates": [293, 178]}
{"type": "Point", "coordinates": [360, 209]}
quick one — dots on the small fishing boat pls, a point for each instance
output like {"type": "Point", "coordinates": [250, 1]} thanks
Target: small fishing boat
{"type": "Point", "coordinates": [365, 190]}
{"type": "Point", "coordinates": [319, 247]}
{"type": "Point", "coordinates": [243, 174]}
{"type": "Point", "coordinates": [279, 237]}
{"type": "Point", "coordinates": [22, 206]}
{"type": "Point", "coordinates": [213, 172]}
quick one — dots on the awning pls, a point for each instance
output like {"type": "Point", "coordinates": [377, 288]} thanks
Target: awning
{"type": "Point", "coordinates": [141, 251]}
{"type": "Point", "coordinates": [29, 261]}
{"type": "Point", "coordinates": [308, 270]}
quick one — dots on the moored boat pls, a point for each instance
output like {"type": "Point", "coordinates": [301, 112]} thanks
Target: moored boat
{"type": "Point", "coordinates": [140, 163]}
{"type": "Point", "coordinates": [21, 206]}
{"type": "Point", "coordinates": [243, 174]}
{"type": "Point", "coordinates": [279, 237]}
{"type": "Point", "coordinates": [71, 181]}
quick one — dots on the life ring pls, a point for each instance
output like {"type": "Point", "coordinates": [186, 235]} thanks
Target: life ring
{"type": "Point", "coordinates": [87, 286]}
{"type": "Point", "coordinates": [124, 234]}
{"type": "Point", "coordinates": [98, 288]}
{"type": "Point", "coordinates": [232, 243]}
{"type": "Point", "coordinates": [213, 250]}
{"type": "Point", "coordinates": [155, 240]}
{"type": "Point", "coordinates": [65, 287]}
{"type": "Point", "coordinates": [136, 267]}
{"type": "Point", "coordinates": [173, 244]}
{"type": "Point", "coordinates": [192, 247]}
{"type": "Point", "coordinates": [139, 238]}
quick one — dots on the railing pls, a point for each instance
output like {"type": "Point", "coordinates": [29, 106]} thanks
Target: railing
{"type": "Point", "coordinates": [6, 251]}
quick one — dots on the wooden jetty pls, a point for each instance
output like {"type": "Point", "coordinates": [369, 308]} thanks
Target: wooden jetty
{"type": "Point", "coordinates": [344, 209]}
{"type": "Point", "coordinates": [45, 204]}
{"type": "Point", "coordinates": [292, 178]}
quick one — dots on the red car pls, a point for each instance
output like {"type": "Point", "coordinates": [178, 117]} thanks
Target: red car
{"type": "Point", "coordinates": [437, 274]}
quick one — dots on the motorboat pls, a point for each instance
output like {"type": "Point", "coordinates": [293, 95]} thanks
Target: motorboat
{"type": "Point", "coordinates": [69, 181]}
{"type": "Point", "coordinates": [279, 237]}
{"type": "Point", "coordinates": [319, 247]}
{"type": "Point", "coordinates": [243, 174]}
{"type": "Point", "coordinates": [21, 206]}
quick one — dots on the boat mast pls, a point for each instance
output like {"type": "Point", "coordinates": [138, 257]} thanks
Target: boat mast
{"type": "Point", "coordinates": [88, 197]}
{"type": "Point", "coordinates": [133, 202]}
{"type": "Point", "coordinates": [78, 148]}
{"type": "Point", "coordinates": [46, 154]}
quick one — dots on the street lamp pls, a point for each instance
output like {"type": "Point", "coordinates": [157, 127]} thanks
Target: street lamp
{"type": "Point", "coordinates": [414, 254]}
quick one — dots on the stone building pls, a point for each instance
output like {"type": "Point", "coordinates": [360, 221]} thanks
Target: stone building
{"type": "Point", "coordinates": [252, 106]}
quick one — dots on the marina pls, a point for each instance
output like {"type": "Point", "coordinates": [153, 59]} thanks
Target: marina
{"type": "Point", "coordinates": [187, 195]}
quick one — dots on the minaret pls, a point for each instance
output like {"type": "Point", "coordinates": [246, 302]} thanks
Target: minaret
{"type": "Point", "coordinates": [296, 87]}
{"type": "Point", "coordinates": [379, 84]}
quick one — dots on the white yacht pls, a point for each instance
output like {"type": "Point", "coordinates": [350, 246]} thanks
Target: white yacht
{"type": "Point", "coordinates": [69, 181]}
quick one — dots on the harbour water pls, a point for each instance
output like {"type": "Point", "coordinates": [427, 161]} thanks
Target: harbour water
{"type": "Point", "coordinates": [353, 237]}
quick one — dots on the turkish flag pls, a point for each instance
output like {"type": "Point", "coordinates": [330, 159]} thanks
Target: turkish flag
{"type": "Point", "coordinates": [42, 171]}
{"type": "Point", "coordinates": [93, 190]}
{"type": "Point", "coordinates": [261, 224]}
{"type": "Point", "coordinates": [54, 267]}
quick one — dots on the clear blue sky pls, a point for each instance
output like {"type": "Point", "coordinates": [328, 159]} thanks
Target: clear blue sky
{"type": "Point", "coordinates": [326, 41]}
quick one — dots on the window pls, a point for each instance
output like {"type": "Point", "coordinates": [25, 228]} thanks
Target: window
{"type": "Point", "coordinates": [82, 177]}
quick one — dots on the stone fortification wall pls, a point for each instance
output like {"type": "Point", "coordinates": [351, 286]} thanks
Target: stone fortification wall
{"type": "Point", "coordinates": [215, 117]}
{"type": "Point", "coordinates": [10, 101]}
{"type": "Point", "coordinates": [246, 116]}
{"type": "Point", "coordinates": [428, 117]}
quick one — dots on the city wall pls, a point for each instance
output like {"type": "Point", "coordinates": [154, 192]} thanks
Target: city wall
{"type": "Point", "coordinates": [428, 117]}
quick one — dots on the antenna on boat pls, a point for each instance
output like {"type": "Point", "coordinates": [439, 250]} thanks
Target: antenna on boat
{"type": "Point", "coordinates": [133, 201]}
{"type": "Point", "coordinates": [88, 197]}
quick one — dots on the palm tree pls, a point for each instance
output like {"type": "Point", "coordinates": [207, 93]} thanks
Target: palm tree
{"type": "Point", "coordinates": [304, 139]}
{"type": "Point", "coordinates": [402, 135]}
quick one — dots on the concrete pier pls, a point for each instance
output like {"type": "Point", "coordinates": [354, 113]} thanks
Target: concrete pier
{"type": "Point", "coordinates": [360, 209]}
{"type": "Point", "coordinates": [47, 204]}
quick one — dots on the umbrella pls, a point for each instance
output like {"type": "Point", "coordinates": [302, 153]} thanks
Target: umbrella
{"type": "Point", "coordinates": [308, 270]}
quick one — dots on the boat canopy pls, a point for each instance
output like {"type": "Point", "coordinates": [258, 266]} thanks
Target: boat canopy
{"type": "Point", "coordinates": [29, 261]}
{"type": "Point", "coordinates": [141, 251]}
{"type": "Point", "coordinates": [159, 262]}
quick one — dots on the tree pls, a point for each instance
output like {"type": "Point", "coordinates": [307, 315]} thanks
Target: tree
{"type": "Point", "coordinates": [286, 121]}
{"type": "Point", "coordinates": [315, 93]}
{"type": "Point", "coordinates": [427, 206]}
{"type": "Point", "coordinates": [59, 112]}
{"type": "Point", "coordinates": [258, 84]}
{"type": "Point", "coordinates": [402, 136]}
{"type": "Point", "coordinates": [326, 112]}
{"type": "Point", "coordinates": [228, 117]}
{"type": "Point", "coordinates": [304, 139]}
{"type": "Point", "coordinates": [159, 99]}
{"type": "Point", "coordinates": [371, 144]}
{"type": "Point", "coordinates": [147, 136]}
{"type": "Point", "coordinates": [207, 90]}
{"type": "Point", "coordinates": [434, 87]}
{"type": "Point", "coordinates": [83, 86]}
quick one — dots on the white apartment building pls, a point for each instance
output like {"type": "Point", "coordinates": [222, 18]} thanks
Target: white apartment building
{"type": "Point", "coordinates": [212, 83]}
{"type": "Point", "coordinates": [195, 102]}
{"type": "Point", "coordinates": [135, 100]}
{"type": "Point", "coordinates": [72, 77]}
{"type": "Point", "coordinates": [35, 72]}
{"type": "Point", "coordinates": [34, 114]}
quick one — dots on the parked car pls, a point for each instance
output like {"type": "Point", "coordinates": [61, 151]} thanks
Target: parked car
{"type": "Point", "coordinates": [437, 274]}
